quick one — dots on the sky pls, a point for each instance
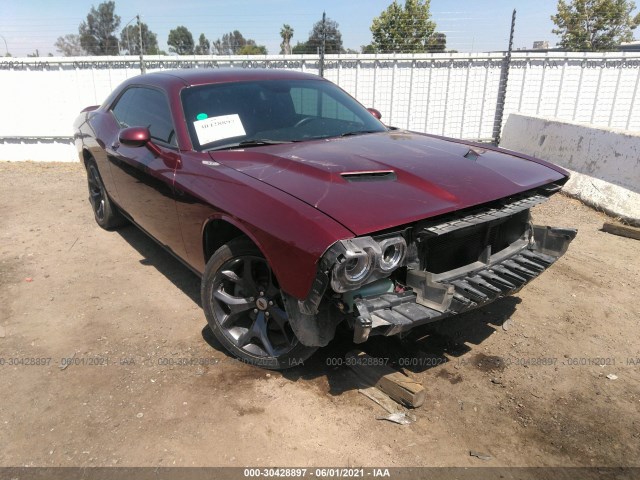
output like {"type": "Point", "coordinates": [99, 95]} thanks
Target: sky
{"type": "Point", "coordinates": [470, 25]}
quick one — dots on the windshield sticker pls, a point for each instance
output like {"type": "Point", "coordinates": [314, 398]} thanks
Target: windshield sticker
{"type": "Point", "coordinates": [216, 128]}
{"type": "Point", "coordinates": [201, 116]}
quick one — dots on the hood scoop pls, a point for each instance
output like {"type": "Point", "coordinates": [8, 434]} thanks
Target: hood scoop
{"type": "Point", "coordinates": [369, 176]}
{"type": "Point", "coordinates": [474, 153]}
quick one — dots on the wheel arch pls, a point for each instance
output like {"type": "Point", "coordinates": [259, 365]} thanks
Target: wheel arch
{"type": "Point", "coordinates": [311, 330]}
{"type": "Point", "coordinates": [86, 156]}
{"type": "Point", "coordinates": [220, 230]}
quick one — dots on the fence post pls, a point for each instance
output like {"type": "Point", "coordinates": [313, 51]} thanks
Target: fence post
{"type": "Point", "coordinates": [323, 44]}
{"type": "Point", "coordinates": [504, 79]}
{"type": "Point", "coordinates": [143, 68]}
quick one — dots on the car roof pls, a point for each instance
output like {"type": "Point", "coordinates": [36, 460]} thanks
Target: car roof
{"type": "Point", "coordinates": [203, 76]}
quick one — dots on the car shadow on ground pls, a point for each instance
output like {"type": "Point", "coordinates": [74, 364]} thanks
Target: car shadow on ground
{"type": "Point", "coordinates": [426, 347]}
{"type": "Point", "coordinates": [165, 263]}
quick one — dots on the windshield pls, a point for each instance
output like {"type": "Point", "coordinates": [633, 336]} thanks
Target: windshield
{"type": "Point", "coordinates": [245, 114]}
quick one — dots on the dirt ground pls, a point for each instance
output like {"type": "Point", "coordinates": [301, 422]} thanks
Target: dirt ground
{"type": "Point", "coordinates": [520, 381]}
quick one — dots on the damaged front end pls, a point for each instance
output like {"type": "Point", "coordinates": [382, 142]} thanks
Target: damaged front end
{"type": "Point", "coordinates": [388, 284]}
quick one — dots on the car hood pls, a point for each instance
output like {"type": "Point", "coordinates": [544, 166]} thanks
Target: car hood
{"type": "Point", "coordinates": [377, 181]}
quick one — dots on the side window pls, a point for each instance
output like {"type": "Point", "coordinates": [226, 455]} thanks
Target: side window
{"type": "Point", "coordinates": [307, 103]}
{"type": "Point", "coordinates": [121, 109]}
{"type": "Point", "coordinates": [146, 107]}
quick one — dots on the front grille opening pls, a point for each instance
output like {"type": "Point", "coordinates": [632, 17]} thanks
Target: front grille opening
{"type": "Point", "coordinates": [461, 247]}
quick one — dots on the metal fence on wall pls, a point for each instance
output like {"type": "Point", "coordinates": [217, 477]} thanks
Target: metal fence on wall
{"type": "Point", "coordinates": [455, 95]}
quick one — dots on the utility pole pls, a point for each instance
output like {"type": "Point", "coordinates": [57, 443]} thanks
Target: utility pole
{"type": "Point", "coordinates": [504, 79]}
{"type": "Point", "coordinates": [513, 29]}
{"type": "Point", "coordinates": [5, 45]}
{"type": "Point", "coordinates": [324, 42]}
{"type": "Point", "coordinates": [143, 69]}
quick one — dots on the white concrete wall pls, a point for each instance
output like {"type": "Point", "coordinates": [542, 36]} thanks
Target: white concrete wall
{"type": "Point", "coordinates": [447, 94]}
{"type": "Point", "coordinates": [38, 150]}
{"type": "Point", "coordinates": [605, 163]}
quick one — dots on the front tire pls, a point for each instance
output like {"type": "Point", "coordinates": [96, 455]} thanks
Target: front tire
{"type": "Point", "coordinates": [104, 211]}
{"type": "Point", "coordinates": [245, 311]}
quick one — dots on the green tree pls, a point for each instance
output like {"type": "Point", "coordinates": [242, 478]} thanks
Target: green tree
{"type": "Point", "coordinates": [69, 46]}
{"type": "Point", "coordinates": [97, 32]}
{"type": "Point", "coordinates": [405, 29]}
{"type": "Point", "coordinates": [333, 42]}
{"type": "Point", "coordinates": [130, 40]}
{"type": "Point", "coordinates": [234, 43]}
{"type": "Point", "coordinates": [594, 25]}
{"type": "Point", "coordinates": [437, 43]}
{"type": "Point", "coordinates": [286, 32]}
{"type": "Point", "coordinates": [301, 48]}
{"type": "Point", "coordinates": [252, 50]}
{"type": "Point", "coordinates": [180, 41]}
{"type": "Point", "coordinates": [204, 46]}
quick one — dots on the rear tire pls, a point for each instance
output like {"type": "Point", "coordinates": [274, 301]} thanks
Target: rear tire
{"type": "Point", "coordinates": [245, 311]}
{"type": "Point", "coordinates": [104, 211]}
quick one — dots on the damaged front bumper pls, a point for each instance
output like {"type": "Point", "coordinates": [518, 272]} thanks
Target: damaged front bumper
{"type": "Point", "coordinates": [452, 264]}
{"type": "Point", "coordinates": [434, 296]}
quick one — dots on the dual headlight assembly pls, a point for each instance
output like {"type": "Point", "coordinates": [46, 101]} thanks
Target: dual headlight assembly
{"type": "Point", "coordinates": [362, 260]}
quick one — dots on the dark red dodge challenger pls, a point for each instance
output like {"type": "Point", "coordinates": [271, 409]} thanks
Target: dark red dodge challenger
{"type": "Point", "coordinates": [300, 209]}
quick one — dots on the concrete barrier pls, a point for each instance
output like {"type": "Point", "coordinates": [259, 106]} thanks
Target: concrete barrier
{"type": "Point", "coordinates": [605, 163]}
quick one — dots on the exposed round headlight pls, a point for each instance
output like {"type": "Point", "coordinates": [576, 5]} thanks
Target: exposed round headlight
{"type": "Point", "coordinates": [353, 270]}
{"type": "Point", "coordinates": [357, 268]}
{"type": "Point", "coordinates": [393, 252]}
{"type": "Point", "coordinates": [361, 260]}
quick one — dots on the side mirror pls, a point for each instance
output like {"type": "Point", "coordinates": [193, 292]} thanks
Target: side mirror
{"type": "Point", "coordinates": [375, 113]}
{"type": "Point", "coordinates": [134, 136]}
{"type": "Point", "coordinates": [141, 137]}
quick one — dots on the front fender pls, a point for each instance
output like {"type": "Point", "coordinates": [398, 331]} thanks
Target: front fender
{"type": "Point", "coordinates": [291, 234]}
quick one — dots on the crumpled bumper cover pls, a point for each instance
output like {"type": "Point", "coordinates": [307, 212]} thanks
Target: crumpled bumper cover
{"type": "Point", "coordinates": [434, 297]}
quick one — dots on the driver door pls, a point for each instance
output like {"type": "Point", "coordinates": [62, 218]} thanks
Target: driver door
{"type": "Point", "coordinates": [144, 180]}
